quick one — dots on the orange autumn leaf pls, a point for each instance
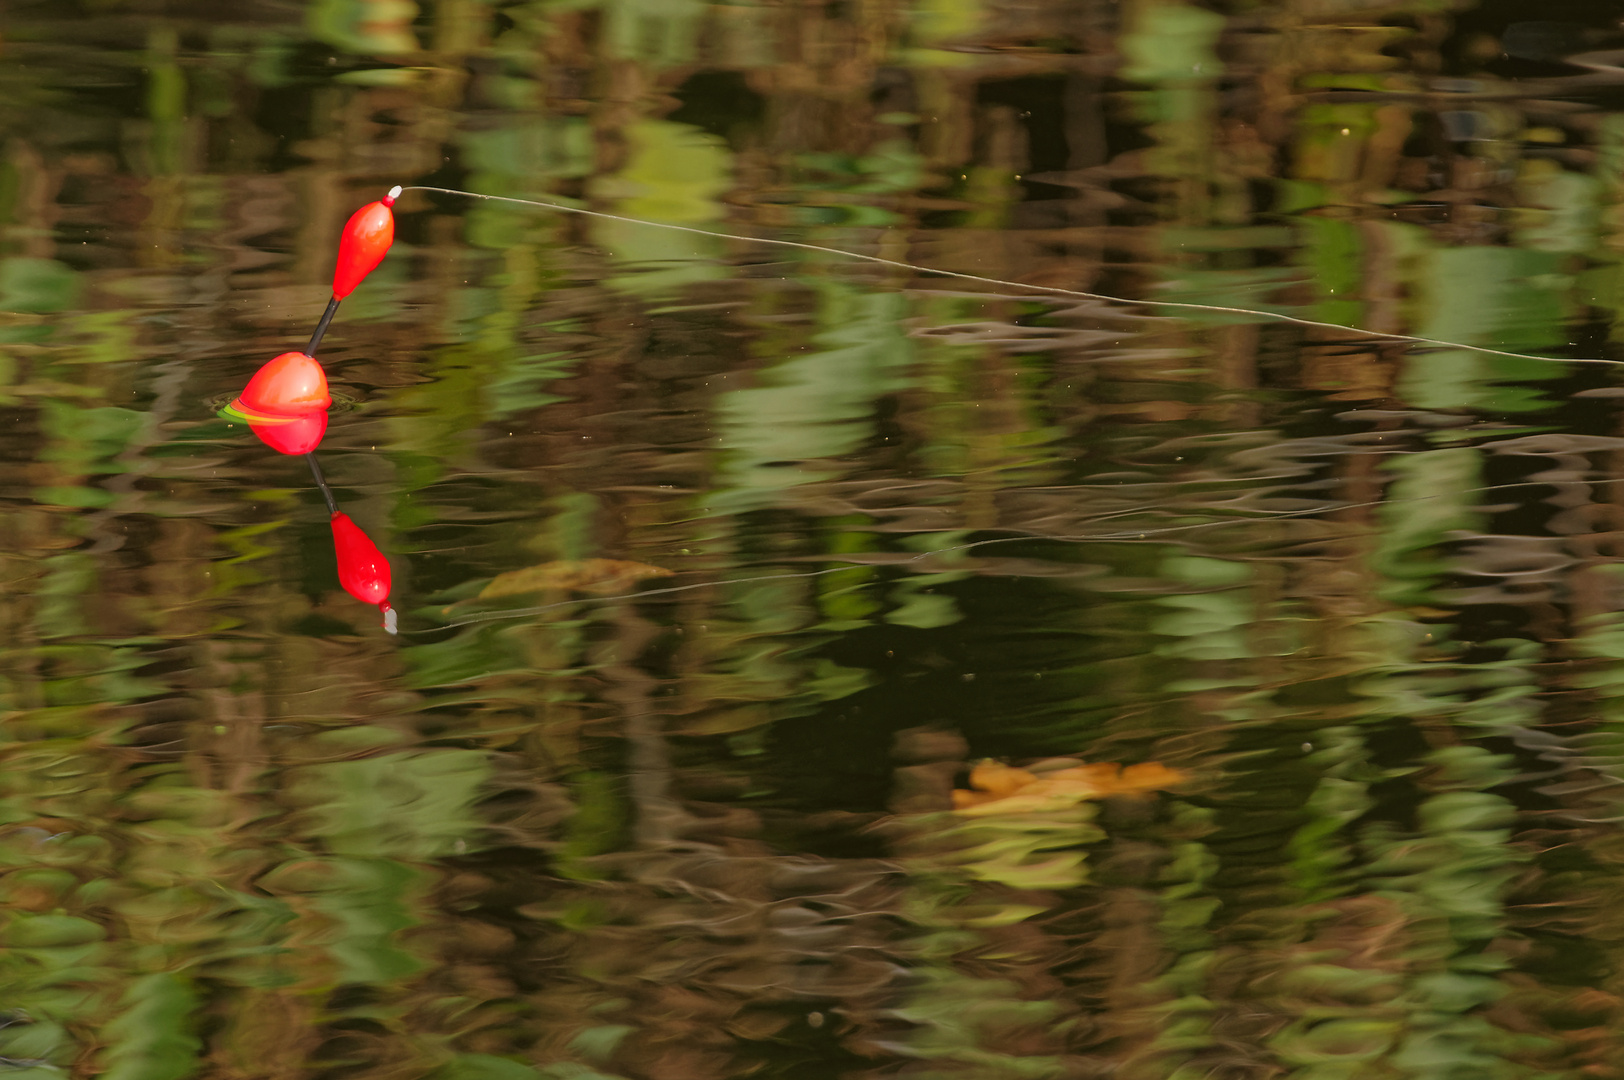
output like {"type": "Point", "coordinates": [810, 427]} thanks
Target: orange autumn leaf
{"type": "Point", "coordinates": [1148, 777]}
{"type": "Point", "coordinates": [964, 800]}
{"type": "Point", "coordinates": [997, 779]}
{"type": "Point", "coordinates": [999, 789]}
{"type": "Point", "coordinates": [602, 576]}
{"type": "Point", "coordinates": [1100, 775]}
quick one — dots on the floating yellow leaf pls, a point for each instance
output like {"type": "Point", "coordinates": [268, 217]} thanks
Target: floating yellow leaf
{"type": "Point", "coordinates": [602, 576]}
{"type": "Point", "coordinates": [1002, 789]}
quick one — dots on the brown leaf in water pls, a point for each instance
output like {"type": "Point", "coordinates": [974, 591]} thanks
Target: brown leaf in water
{"type": "Point", "coordinates": [999, 780]}
{"type": "Point", "coordinates": [602, 576]}
{"type": "Point", "coordinates": [1002, 789]}
{"type": "Point", "coordinates": [1148, 777]}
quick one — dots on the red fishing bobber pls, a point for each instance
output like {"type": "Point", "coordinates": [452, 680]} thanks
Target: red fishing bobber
{"type": "Point", "coordinates": [289, 385]}
{"type": "Point", "coordinates": [364, 243]}
{"type": "Point", "coordinates": [362, 569]}
{"type": "Point", "coordinates": [285, 403]}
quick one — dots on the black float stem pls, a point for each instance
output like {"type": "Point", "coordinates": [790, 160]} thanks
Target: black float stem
{"type": "Point", "coordinates": [310, 458]}
{"type": "Point", "coordinates": [321, 327]}
{"type": "Point", "coordinates": [315, 468]}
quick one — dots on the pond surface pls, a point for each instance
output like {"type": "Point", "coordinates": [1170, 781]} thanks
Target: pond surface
{"type": "Point", "coordinates": [774, 623]}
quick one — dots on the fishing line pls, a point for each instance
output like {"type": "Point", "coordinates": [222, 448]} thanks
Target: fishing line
{"type": "Point", "coordinates": [1294, 320]}
{"type": "Point", "coordinates": [1001, 283]}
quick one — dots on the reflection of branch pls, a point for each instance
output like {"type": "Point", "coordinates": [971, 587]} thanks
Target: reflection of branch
{"type": "Point", "coordinates": [172, 376]}
{"type": "Point", "coordinates": [660, 819]}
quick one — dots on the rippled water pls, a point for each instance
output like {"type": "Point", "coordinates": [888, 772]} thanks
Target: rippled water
{"type": "Point", "coordinates": [721, 565]}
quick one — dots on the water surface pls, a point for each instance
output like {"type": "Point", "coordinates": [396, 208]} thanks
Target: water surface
{"type": "Point", "coordinates": [722, 564]}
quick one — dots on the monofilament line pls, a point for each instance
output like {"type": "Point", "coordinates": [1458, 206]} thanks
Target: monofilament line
{"type": "Point", "coordinates": [1294, 320]}
{"type": "Point", "coordinates": [1151, 533]}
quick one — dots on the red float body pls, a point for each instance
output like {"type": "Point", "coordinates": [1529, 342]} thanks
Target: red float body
{"type": "Point", "coordinates": [292, 384]}
{"type": "Point", "coordinates": [297, 436]}
{"type": "Point", "coordinates": [362, 569]}
{"type": "Point", "coordinates": [363, 244]}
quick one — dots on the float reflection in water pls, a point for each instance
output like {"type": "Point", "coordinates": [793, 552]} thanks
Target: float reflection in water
{"type": "Point", "coordinates": [362, 569]}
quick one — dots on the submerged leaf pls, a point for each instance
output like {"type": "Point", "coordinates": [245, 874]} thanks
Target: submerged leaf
{"type": "Point", "coordinates": [602, 576]}
{"type": "Point", "coordinates": [999, 780]}
{"type": "Point", "coordinates": [488, 1067]}
{"type": "Point", "coordinates": [1001, 789]}
{"type": "Point", "coordinates": [151, 1039]}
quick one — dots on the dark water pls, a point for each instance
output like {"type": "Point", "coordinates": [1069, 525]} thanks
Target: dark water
{"type": "Point", "coordinates": [793, 541]}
